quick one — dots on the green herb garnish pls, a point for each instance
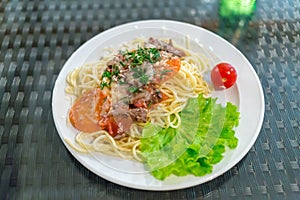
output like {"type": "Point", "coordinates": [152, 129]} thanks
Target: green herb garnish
{"type": "Point", "coordinates": [103, 85]}
{"type": "Point", "coordinates": [139, 73]}
{"type": "Point", "coordinates": [142, 55]}
{"type": "Point", "coordinates": [133, 89]}
{"type": "Point", "coordinates": [107, 76]}
{"type": "Point", "coordinates": [135, 60]}
{"type": "Point", "coordinates": [144, 79]}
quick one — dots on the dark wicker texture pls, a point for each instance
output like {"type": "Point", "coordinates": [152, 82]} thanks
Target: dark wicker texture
{"type": "Point", "coordinates": [37, 37]}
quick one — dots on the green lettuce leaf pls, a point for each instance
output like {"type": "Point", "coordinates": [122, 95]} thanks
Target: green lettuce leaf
{"type": "Point", "coordinates": [206, 130]}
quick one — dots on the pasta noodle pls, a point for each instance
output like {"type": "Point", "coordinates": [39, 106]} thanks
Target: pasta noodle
{"type": "Point", "coordinates": [187, 83]}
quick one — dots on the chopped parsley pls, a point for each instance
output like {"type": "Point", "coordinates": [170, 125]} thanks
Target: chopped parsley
{"type": "Point", "coordinates": [108, 75]}
{"type": "Point", "coordinates": [139, 72]}
{"type": "Point", "coordinates": [142, 55]}
{"type": "Point", "coordinates": [133, 89]}
{"type": "Point", "coordinates": [144, 79]}
{"type": "Point", "coordinates": [133, 60]}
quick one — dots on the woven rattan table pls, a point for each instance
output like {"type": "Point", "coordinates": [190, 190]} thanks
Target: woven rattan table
{"type": "Point", "coordinates": [37, 38]}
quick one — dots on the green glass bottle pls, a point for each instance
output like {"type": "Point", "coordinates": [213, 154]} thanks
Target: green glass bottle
{"type": "Point", "coordinates": [237, 8]}
{"type": "Point", "coordinates": [235, 16]}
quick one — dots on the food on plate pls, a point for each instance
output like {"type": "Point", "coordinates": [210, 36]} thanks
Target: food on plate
{"type": "Point", "coordinates": [206, 130]}
{"type": "Point", "coordinates": [148, 101]}
{"type": "Point", "coordinates": [223, 76]}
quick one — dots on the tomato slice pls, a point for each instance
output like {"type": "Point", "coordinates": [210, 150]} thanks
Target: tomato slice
{"type": "Point", "coordinates": [223, 75]}
{"type": "Point", "coordinates": [84, 115]}
{"type": "Point", "coordinates": [174, 63]}
{"type": "Point", "coordinates": [109, 124]}
{"type": "Point", "coordinates": [168, 71]}
{"type": "Point", "coordinates": [140, 103]}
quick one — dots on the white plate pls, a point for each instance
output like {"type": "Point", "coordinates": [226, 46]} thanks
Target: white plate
{"type": "Point", "coordinates": [247, 94]}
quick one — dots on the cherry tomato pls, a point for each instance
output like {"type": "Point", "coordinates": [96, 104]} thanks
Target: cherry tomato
{"type": "Point", "coordinates": [223, 75]}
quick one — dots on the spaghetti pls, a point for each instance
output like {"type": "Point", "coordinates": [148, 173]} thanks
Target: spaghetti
{"type": "Point", "coordinates": [153, 79]}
